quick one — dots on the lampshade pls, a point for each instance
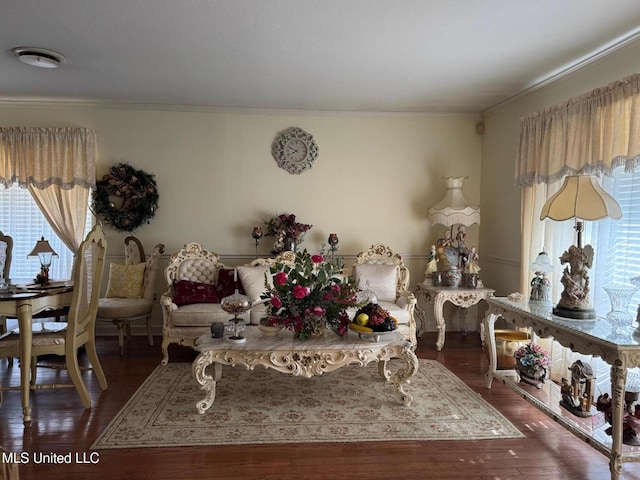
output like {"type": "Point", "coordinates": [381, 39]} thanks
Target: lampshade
{"type": "Point", "coordinates": [42, 248]}
{"type": "Point", "coordinates": [581, 196]}
{"type": "Point", "coordinates": [454, 208]}
{"type": "Point", "coordinates": [542, 263]}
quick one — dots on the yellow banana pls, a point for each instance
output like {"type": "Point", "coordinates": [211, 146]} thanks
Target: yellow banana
{"type": "Point", "coordinates": [360, 328]}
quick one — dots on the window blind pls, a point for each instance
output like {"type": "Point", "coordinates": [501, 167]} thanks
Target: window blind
{"type": "Point", "coordinates": [21, 218]}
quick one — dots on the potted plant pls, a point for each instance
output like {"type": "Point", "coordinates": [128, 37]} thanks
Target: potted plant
{"type": "Point", "coordinates": [531, 364]}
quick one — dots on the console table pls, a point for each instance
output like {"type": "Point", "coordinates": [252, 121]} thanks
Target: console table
{"type": "Point", "coordinates": [436, 296]}
{"type": "Point", "coordinates": [585, 337]}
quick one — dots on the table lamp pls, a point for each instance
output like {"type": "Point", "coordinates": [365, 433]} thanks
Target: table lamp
{"type": "Point", "coordinates": [45, 253]}
{"type": "Point", "coordinates": [540, 285]}
{"type": "Point", "coordinates": [580, 197]}
{"type": "Point", "coordinates": [453, 209]}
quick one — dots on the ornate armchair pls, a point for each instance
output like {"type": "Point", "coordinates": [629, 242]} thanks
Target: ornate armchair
{"type": "Point", "coordinates": [382, 271]}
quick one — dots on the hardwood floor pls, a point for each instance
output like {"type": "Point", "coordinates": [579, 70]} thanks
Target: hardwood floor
{"type": "Point", "coordinates": [61, 425]}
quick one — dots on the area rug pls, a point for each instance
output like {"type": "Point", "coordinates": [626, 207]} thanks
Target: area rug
{"type": "Point", "coordinates": [352, 404]}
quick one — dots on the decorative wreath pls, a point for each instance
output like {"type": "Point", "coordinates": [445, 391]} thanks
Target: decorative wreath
{"type": "Point", "coordinates": [136, 202]}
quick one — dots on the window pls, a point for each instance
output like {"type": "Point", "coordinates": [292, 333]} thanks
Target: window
{"type": "Point", "coordinates": [21, 218]}
{"type": "Point", "coordinates": [617, 242]}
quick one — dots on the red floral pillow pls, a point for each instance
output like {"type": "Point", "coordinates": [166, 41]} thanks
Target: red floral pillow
{"type": "Point", "coordinates": [226, 283]}
{"type": "Point", "coordinates": [185, 292]}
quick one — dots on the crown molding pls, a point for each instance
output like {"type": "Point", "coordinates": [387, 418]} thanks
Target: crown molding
{"type": "Point", "coordinates": [618, 44]}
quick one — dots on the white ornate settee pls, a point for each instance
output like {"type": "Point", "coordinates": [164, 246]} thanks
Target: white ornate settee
{"type": "Point", "coordinates": [197, 281]}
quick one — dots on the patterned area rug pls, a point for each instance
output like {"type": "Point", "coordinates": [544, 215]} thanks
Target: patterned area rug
{"type": "Point", "coordinates": [352, 404]}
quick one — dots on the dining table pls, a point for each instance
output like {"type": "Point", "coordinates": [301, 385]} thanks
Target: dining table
{"type": "Point", "coordinates": [23, 302]}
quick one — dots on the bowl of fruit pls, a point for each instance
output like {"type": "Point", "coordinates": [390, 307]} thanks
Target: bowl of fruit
{"type": "Point", "coordinates": [373, 321]}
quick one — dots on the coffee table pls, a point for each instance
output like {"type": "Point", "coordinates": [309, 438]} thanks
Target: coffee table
{"type": "Point", "coordinates": [303, 358]}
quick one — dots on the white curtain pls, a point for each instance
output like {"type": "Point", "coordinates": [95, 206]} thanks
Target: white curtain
{"type": "Point", "coordinates": [58, 167]}
{"type": "Point", "coordinates": [590, 134]}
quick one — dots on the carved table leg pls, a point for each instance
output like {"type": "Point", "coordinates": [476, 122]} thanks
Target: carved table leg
{"type": "Point", "coordinates": [490, 345]}
{"type": "Point", "coordinates": [403, 375]}
{"type": "Point", "coordinates": [206, 382]}
{"type": "Point", "coordinates": [462, 317]}
{"type": "Point", "coordinates": [438, 307]}
{"type": "Point", "coordinates": [383, 371]}
{"type": "Point", "coordinates": [618, 380]}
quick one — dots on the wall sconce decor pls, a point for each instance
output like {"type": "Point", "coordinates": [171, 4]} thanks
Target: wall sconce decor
{"type": "Point", "coordinates": [256, 233]}
{"type": "Point", "coordinates": [333, 243]}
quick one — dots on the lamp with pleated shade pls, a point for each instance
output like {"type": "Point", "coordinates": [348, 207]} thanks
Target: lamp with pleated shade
{"type": "Point", "coordinates": [580, 197]}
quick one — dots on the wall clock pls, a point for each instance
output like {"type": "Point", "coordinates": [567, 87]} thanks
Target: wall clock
{"type": "Point", "coordinates": [294, 150]}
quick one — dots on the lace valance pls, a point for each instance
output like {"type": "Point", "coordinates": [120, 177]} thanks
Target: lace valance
{"type": "Point", "coordinates": [41, 157]}
{"type": "Point", "coordinates": [589, 134]}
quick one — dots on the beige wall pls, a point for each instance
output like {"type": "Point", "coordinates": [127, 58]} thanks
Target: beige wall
{"type": "Point", "coordinates": [374, 180]}
{"type": "Point", "coordinates": [500, 197]}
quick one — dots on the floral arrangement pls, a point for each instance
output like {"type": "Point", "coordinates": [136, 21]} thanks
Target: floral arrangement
{"type": "Point", "coordinates": [531, 357]}
{"type": "Point", "coordinates": [309, 296]}
{"type": "Point", "coordinates": [285, 226]}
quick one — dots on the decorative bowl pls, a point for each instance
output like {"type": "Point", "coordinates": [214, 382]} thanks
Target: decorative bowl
{"type": "Point", "coordinates": [269, 331]}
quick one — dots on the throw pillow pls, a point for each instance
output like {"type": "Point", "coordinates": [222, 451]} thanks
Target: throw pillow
{"type": "Point", "coordinates": [252, 280]}
{"type": "Point", "coordinates": [125, 281]}
{"type": "Point", "coordinates": [226, 283]}
{"type": "Point", "coordinates": [380, 278]}
{"type": "Point", "coordinates": [185, 293]}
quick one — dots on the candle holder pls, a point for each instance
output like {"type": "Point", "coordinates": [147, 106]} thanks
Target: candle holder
{"type": "Point", "coordinates": [256, 233]}
{"type": "Point", "coordinates": [333, 243]}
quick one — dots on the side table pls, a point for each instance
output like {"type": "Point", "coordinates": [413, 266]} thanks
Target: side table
{"type": "Point", "coordinates": [436, 296]}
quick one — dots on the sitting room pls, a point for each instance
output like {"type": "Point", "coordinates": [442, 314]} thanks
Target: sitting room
{"type": "Point", "coordinates": [225, 171]}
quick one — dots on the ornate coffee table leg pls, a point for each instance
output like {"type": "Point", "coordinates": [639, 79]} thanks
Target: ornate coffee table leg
{"type": "Point", "coordinates": [206, 382]}
{"type": "Point", "coordinates": [383, 371]}
{"type": "Point", "coordinates": [403, 375]}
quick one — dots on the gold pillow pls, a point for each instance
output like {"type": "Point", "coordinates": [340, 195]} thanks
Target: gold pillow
{"type": "Point", "coordinates": [125, 281]}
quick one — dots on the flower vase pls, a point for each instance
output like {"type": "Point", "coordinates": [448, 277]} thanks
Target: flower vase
{"type": "Point", "coordinates": [313, 326]}
{"type": "Point", "coordinates": [619, 316]}
{"type": "Point", "coordinates": [290, 244]}
{"type": "Point", "coordinates": [532, 377]}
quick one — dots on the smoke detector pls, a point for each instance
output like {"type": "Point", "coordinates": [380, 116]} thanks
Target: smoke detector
{"type": "Point", "coordinates": [38, 57]}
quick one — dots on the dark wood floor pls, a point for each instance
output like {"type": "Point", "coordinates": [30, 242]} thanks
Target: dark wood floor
{"type": "Point", "coordinates": [61, 425]}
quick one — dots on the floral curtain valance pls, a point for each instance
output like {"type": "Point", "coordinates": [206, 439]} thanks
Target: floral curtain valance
{"type": "Point", "coordinates": [589, 134]}
{"type": "Point", "coordinates": [41, 157]}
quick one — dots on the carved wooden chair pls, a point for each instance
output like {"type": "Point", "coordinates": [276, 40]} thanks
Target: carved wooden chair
{"type": "Point", "coordinates": [382, 271]}
{"type": "Point", "coordinates": [6, 249]}
{"type": "Point", "coordinates": [66, 338]}
{"type": "Point", "coordinates": [126, 302]}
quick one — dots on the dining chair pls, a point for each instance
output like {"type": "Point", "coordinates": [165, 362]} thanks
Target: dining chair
{"type": "Point", "coordinates": [131, 289]}
{"type": "Point", "coordinates": [6, 250]}
{"type": "Point", "coordinates": [64, 339]}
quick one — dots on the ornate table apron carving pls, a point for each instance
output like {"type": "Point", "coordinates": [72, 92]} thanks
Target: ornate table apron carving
{"type": "Point", "coordinates": [436, 297]}
{"type": "Point", "coordinates": [306, 358]}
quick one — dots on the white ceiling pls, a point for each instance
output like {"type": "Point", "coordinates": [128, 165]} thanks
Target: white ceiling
{"type": "Point", "coordinates": [328, 55]}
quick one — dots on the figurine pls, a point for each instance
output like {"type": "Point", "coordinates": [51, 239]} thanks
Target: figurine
{"type": "Point", "coordinates": [577, 395]}
{"type": "Point", "coordinates": [472, 262]}
{"type": "Point", "coordinates": [432, 266]}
